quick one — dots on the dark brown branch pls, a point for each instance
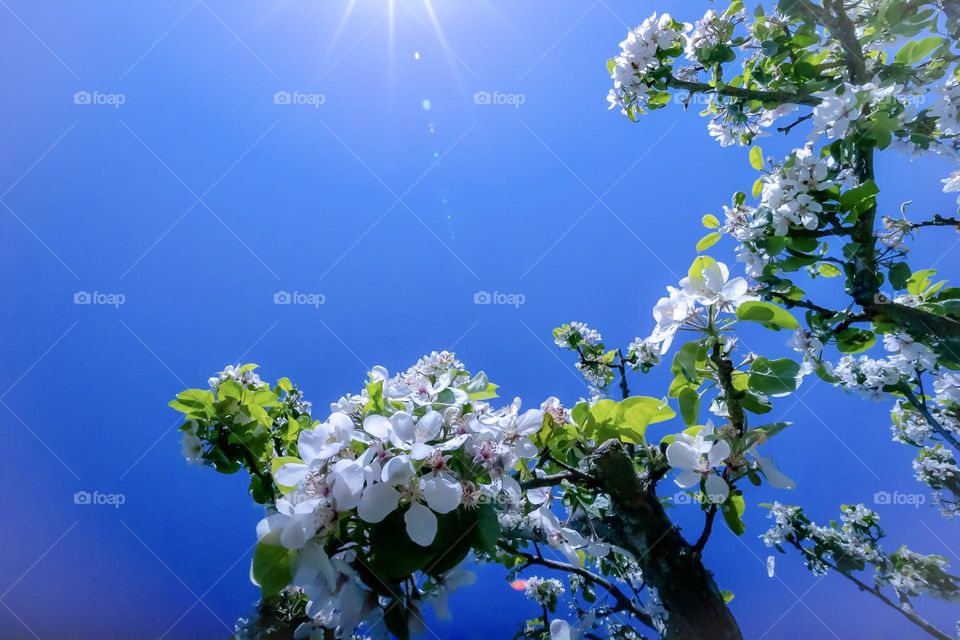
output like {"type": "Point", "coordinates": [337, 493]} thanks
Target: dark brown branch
{"type": "Point", "coordinates": [937, 221]}
{"type": "Point", "coordinates": [554, 480]}
{"type": "Point", "coordinates": [707, 528]}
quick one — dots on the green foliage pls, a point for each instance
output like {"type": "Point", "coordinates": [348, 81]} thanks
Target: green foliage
{"type": "Point", "coordinates": [271, 569]}
{"type": "Point", "coordinates": [767, 314]}
{"type": "Point", "coordinates": [773, 377]}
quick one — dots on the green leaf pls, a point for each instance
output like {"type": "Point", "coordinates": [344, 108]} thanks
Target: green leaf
{"type": "Point", "coordinates": [627, 420]}
{"type": "Point", "coordinates": [920, 281]}
{"type": "Point", "coordinates": [698, 265]}
{"type": "Point", "coordinates": [710, 221]}
{"type": "Point", "coordinates": [708, 241]}
{"type": "Point", "coordinates": [916, 50]}
{"type": "Point", "coordinates": [639, 412]}
{"type": "Point", "coordinates": [727, 596]}
{"type": "Point", "coordinates": [689, 405]}
{"type": "Point", "coordinates": [229, 389]}
{"type": "Point", "coordinates": [393, 555]}
{"type": "Point", "coordinates": [757, 188]}
{"type": "Point", "coordinates": [859, 198]}
{"type": "Point", "coordinates": [900, 275]}
{"type": "Point", "coordinates": [605, 411]}
{"type": "Point", "coordinates": [487, 529]}
{"type": "Point", "coordinates": [480, 388]}
{"type": "Point", "coordinates": [271, 568]}
{"type": "Point", "coordinates": [767, 314]}
{"type": "Point", "coordinates": [688, 359]}
{"type": "Point", "coordinates": [853, 340]}
{"type": "Point", "coordinates": [756, 158]}
{"type": "Point", "coordinates": [828, 270]}
{"type": "Point", "coordinates": [732, 511]}
{"type": "Point", "coordinates": [375, 393]}
{"type": "Point", "coordinates": [773, 377]}
{"type": "Point", "coordinates": [193, 401]}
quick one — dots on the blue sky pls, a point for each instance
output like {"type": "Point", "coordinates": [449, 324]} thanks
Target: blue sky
{"type": "Point", "coordinates": [174, 179]}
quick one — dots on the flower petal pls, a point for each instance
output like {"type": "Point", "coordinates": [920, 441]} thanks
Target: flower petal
{"type": "Point", "coordinates": [420, 451]}
{"type": "Point", "coordinates": [681, 455]}
{"type": "Point", "coordinates": [297, 531]}
{"type": "Point", "coordinates": [687, 478]}
{"type": "Point", "coordinates": [377, 426]}
{"type": "Point", "coordinates": [348, 481]}
{"type": "Point", "coordinates": [342, 426]}
{"type": "Point", "coordinates": [530, 422]}
{"type": "Point", "coordinates": [421, 524]}
{"type": "Point", "coordinates": [441, 492]}
{"type": "Point", "coordinates": [560, 630]}
{"type": "Point", "coordinates": [717, 489]}
{"type": "Point", "coordinates": [311, 442]}
{"type": "Point", "coordinates": [397, 470]}
{"type": "Point", "coordinates": [719, 452]}
{"type": "Point", "coordinates": [403, 427]}
{"type": "Point", "coordinates": [429, 426]}
{"type": "Point", "coordinates": [773, 475]}
{"type": "Point", "coordinates": [377, 502]}
{"type": "Point", "coordinates": [290, 474]}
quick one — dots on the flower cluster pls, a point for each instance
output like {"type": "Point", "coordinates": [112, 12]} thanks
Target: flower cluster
{"type": "Point", "coordinates": [790, 195]}
{"type": "Point", "coordinates": [543, 591]}
{"type": "Point", "coordinates": [417, 468]}
{"type": "Point", "coordinates": [854, 544]}
{"type": "Point", "coordinates": [644, 354]}
{"type": "Point", "coordinates": [836, 113]}
{"type": "Point", "coordinates": [244, 375]}
{"type": "Point", "coordinates": [867, 376]}
{"type": "Point", "coordinates": [947, 108]}
{"type": "Point", "coordinates": [936, 466]}
{"type": "Point", "coordinates": [707, 286]}
{"type": "Point", "coordinates": [642, 51]}
{"type": "Point", "coordinates": [709, 31]}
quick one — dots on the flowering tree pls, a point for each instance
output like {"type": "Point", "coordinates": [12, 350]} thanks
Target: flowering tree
{"type": "Point", "coordinates": [372, 510]}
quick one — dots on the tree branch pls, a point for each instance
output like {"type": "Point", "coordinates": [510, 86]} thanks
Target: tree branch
{"type": "Point", "coordinates": [875, 591]}
{"type": "Point", "coordinates": [921, 407]}
{"type": "Point", "coordinates": [779, 97]}
{"type": "Point", "coordinates": [623, 602]}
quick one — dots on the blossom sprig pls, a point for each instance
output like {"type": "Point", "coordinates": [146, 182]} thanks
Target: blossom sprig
{"type": "Point", "coordinates": [599, 365]}
{"type": "Point", "coordinates": [852, 546]}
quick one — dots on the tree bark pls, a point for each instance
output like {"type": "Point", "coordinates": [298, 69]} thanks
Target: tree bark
{"type": "Point", "coordinates": [670, 564]}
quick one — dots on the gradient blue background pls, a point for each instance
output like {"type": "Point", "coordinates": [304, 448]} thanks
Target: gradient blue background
{"type": "Point", "coordinates": [585, 214]}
